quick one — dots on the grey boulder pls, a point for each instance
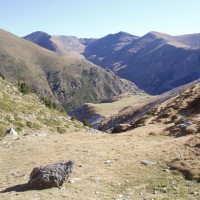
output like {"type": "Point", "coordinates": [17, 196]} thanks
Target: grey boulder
{"type": "Point", "coordinates": [51, 175]}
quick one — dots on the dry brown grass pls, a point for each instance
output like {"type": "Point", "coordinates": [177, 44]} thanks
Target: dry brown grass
{"type": "Point", "coordinates": [124, 176]}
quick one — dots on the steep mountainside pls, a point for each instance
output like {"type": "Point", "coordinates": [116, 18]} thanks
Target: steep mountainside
{"type": "Point", "coordinates": [68, 79]}
{"type": "Point", "coordinates": [156, 62]}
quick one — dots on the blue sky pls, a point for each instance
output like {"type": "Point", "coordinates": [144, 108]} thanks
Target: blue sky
{"type": "Point", "coordinates": [97, 18]}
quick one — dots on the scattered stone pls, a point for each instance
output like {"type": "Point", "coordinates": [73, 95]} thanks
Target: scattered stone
{"type": "Point", "coordinates": [97, 179]}
{"type": "Point", "coordinates": [155, 192]}
{"type": "Point", "coordinates": [184, 125]}
{"type": "Point", "coordinates": [108, 162]}
{"type": "Point", "coordinates": [176, 187]}
{"type": "Point", "coordinates": [167, 170]}
{"type": "Point", "coordinates": [97, 192]}
{"type": "Point", "coordinates": [11, 132]}
{"type": "Point", "coordinates": [188, 185]}
{"type": "Point", "coordinates": [148, 162]}
{"type": "Point", "coordinates": [165, 190]}
{"type": "Point", "coordinates": [73, 180]}
{"type": "Point", "coordinates": [62, 189]}
{"type": "Point", "coordinates": [121, 128]}
{"type": "Point", "coordinates": [126, 181]}
{"type": "Point", "coordinates": [51, 175]}
{"type": "Point", "coordinates": [195, 193]}
{"type": "Point", "coordinates": [41, 134]}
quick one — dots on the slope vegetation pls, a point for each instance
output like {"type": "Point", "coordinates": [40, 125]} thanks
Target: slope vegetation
{"type": "Point", "coordinates": [28, 115]}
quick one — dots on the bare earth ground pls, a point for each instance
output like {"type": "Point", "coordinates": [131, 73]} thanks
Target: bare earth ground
{"type": "Point", "coordinates": [124, 178]}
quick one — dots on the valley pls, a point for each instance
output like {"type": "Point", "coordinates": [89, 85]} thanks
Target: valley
{"type": "Point", "coordinates": [135, 139]}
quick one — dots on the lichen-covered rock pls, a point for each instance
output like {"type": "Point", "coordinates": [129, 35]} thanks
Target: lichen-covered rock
{"type": "Point", "coordinates": [51, 175]}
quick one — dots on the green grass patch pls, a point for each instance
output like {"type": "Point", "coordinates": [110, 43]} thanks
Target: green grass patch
{"type": "Point", "coordinates": [80, 126]}
{"type": "Point", "coordinates": [51, 122]}
{"type": "Point", "coordinates": [3, 129]}
{"type": "Point", "coordinates": [154, 182]}
{"type": "Point", "coordinates": [33, 125]}
{"type": "Point", "coordinates": [61, 130]}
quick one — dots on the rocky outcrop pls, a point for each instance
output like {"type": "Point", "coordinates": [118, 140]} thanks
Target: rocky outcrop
{"type": "Point", "coordinates": [50, 176]}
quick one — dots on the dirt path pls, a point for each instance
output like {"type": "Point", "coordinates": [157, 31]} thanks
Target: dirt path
{"type": "Point", "coordinates": [124, 178]}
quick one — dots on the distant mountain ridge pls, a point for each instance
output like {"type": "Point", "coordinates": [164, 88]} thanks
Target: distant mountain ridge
{"type": "Point", "coordinates": [69, 80]}
{"type": "Point", "coordinates": [156, 62]}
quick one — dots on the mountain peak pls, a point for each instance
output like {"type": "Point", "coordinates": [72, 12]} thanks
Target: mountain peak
{"type": "Point", "coordinates": [154, 35]}
{"type": "Point", "coordinates": [36, 35]}
{"type": "Point", "coordinates": [41, 38]}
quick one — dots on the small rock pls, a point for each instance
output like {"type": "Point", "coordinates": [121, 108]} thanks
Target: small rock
{"type": "Point", "coordinates": [148, 162]}
{"type": "Point", "coordinates": [165, 190]}
{"type": "Point", "coordinates": [11, 132]}
{"type": "Point", "coordinates": [73, 180]}
{"type": "Point", "coordinates": [126, 181]}
{"type": "Point", "coordinates": [42, 134]}
{"type": "Point", "coordinates": [97, 179]}
{"type": "Point", "coordinates": [97, 192]}
{"type": "Point", "coordinates": [177, 188]}
{"type": "Point", "coordinates": [108, 161]}
{"type": "Point", "coordinates": [184, 125]}
{"type": "Point", "coordinates": [174, 182]}
{"type": "Point", "coordinates": [155, 192]}
{"type": "Point", "coordinates": [62, 189]}
{"type": "Point", "coordinates": [188, 185]}
{"type": "Point", "coordinates": [167, 170]}
{"type": "Point", "coordinates": [195, 193]}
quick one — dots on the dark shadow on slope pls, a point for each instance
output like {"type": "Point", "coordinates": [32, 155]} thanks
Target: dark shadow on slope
{"type": "Point", "coordinates": [17, 188]}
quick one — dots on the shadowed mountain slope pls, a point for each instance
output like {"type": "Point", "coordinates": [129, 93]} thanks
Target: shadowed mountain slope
{"type": "Point", "coordinates": [156, 62]}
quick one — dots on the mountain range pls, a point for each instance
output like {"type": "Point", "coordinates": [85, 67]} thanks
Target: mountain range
{"type": "Point", "coordinates": [70, 80]}
{"type": "Point", "coordinates": [161, 133]}
{"type": "Point", "coordinates": [155, 62]}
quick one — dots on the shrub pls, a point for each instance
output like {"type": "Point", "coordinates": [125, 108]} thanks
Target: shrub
{"type": "Point", "coordinates": [51, 104]}
{"type": "Point", "coordinates": [24, 88]}
{"type": "Point", "coordinates": [3, 129]}
{"type": "Point", "coordinates": [61, 130]}
{"type": "Point", "coordinates": [174, 118]}
{"type": "Point", "coordinates": [33, 125]}
{"type": "Point", "coordinates": [86, 123]}
{"type": "Point", "coordinates": [2, 76]}
{"type": "Point", "coordinates": [73, 118]}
